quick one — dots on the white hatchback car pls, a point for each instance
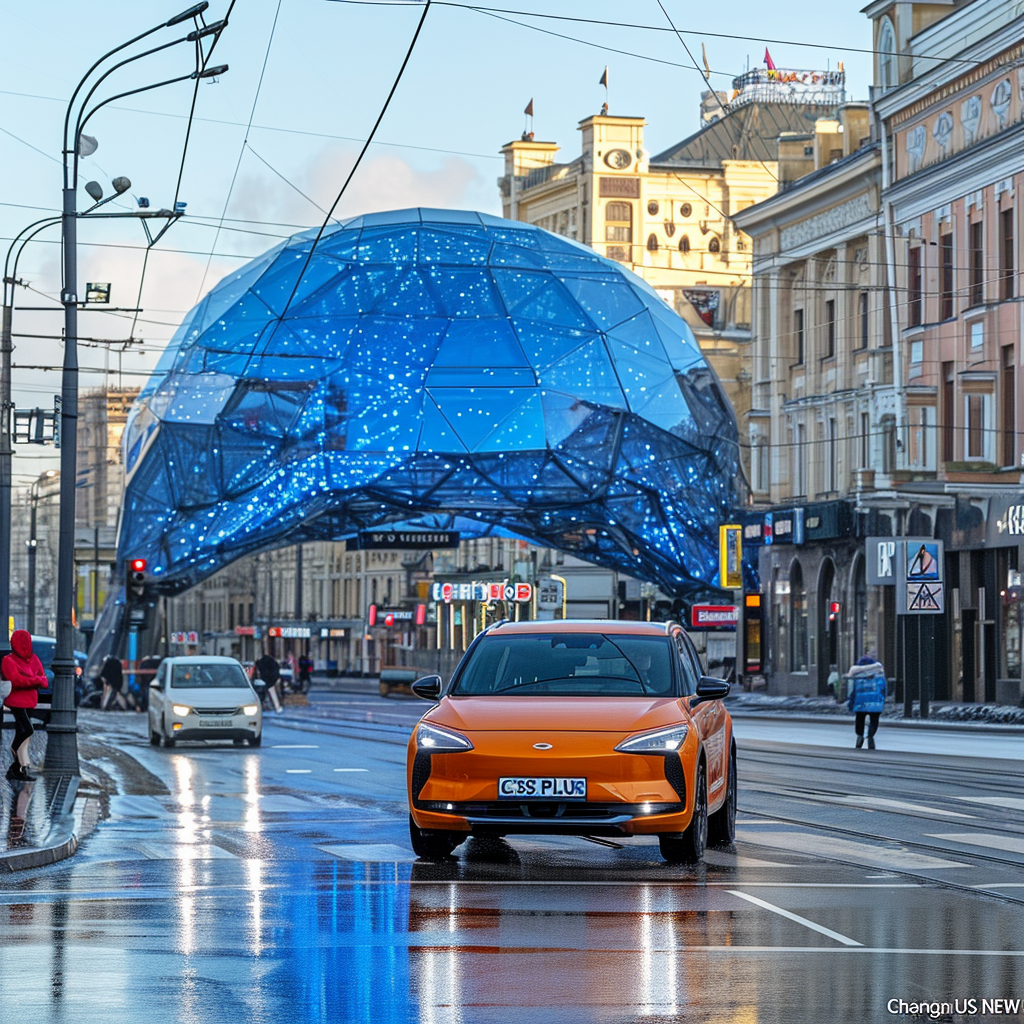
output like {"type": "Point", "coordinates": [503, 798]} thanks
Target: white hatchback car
{"type": "Point", "coordinates": [203, 698]}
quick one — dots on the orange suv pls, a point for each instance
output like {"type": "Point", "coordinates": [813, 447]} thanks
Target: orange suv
{"type": "Point", "coordinates": [587, 728]}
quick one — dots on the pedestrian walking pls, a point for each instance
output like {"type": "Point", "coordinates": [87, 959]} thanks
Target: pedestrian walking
{"type": "Point", "coordinates": [305, 672]}
{"type": "Point", "coordinates": [147, 673]}
{"type": "Point", "coordinates": [269, 671]}
{"type": "Point", "coordinates": [112, 677]}
{"type": "Point", "coordinates": [867, 697]}
{"type": "Point", "coordinates": [23, 669]}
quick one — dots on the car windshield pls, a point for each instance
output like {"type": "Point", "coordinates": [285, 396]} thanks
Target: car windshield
{"type": "Point", "coordinates": [569, 664]}
{"type": "Point", "coordinates": [209, 676]}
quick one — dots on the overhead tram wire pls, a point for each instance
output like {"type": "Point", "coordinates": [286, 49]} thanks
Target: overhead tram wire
{"type": "Point", "coordinates": [202, 61]}
{"type": "Point", "coordinates": [476, 8]}
{"type": "Point", "coordinates": [241, 150]}
{"type": "Point", "coordinates": [289, 183]}
{"type": "Point", "coordinates": [359, 159]}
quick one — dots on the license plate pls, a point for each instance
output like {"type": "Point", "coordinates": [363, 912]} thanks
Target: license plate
{"type": "Point", "coordinates": [215, 723]}
{"type": "Point", "coordinates": [542, 789]}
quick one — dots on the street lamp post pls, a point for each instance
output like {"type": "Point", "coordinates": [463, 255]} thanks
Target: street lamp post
{"type": "Point", "coordinates": [62, 742]}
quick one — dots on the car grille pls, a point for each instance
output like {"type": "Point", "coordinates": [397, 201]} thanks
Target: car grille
{"type": "Point", "coordinates": [217, 711]}
{"type": "Point", "coordinates": [534, 810]}
{"type": "Point", "coordinates": [675, 775]}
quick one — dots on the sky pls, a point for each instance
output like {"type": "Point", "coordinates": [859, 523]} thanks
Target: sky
{"type": "Point", "coordinates": [274, 138]}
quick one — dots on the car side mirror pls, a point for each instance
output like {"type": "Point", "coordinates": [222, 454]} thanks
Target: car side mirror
{"type": "Point", "coordinates": [429, 688]}
{"type": "Point", "coordinates": [710, 688]}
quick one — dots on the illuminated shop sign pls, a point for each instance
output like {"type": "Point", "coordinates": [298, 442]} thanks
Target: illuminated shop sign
{"type": "Point", "coordinates": [714, 616]}
{"type": "Point", "coordinates": [504, 591]}
{"type": "Point", "coordinates": [290, 632]}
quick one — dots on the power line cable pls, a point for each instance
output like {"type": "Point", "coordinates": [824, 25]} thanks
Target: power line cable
{"type": "Point", "coordinates": [241, 150]}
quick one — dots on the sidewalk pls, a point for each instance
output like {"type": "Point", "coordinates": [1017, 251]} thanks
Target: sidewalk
{"type": "Point", "coordinates": [39, 821]}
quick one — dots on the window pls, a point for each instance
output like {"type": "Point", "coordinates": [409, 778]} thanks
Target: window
{"type": "Point", "coordinates": [977, 335]}
{"type": "Point", "coordinates": [1006, 275]}
{"type": "Point", "coordinates": [865, 440]}
{"type": "Point", "coordinates": [1009, 409]}
{"type": "Point", "coordinates": [800, 462]}
{"type": "Point", "coordinates": [798, 334]}
{"type": "Point", "coordinates": [976, 264]}
{"type": "Point", "coordinates": [922, 437]}
{"type": "Point", "coordinates": [714, 245]}
{"type": "Point", "coordinates": [975, 426]}
{"type": "Point", "coordinates": [778, 652]}
{"type": "Point", "coordinates": [862, 310]}
{"type": "Point", "coordinates": [830, 328]}
{"type": "Point", "coordinates": [914, 318]}
{"type": "Point", "coordinates": [686, 209]}
{"type": "Point", "coordinates": [798, 617]}
{"type": "Point", "coordinates": [886, 55]}
{"type": "Point", "coordinates": [832, 456]}
{"type": "Point", "coordinates": [916, 353]}
{"type": "Point", "coordinates": [948, 411]}
{"type": "Point", "coordinates": [946, 276]}
{"type": "Point", "coordinates": [684, 244]}
{"type": "Point", "coordinates": [652, 243]}
{"type": "Point", "coordinates": [618, 227]}
{"type": "Point", "coordinates": [652, 208]}
{"type": "Point", "coordinates": [888, 429]}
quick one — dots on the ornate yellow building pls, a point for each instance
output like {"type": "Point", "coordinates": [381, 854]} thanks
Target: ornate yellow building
{"type": "Point", "coordinates": [667, 216]}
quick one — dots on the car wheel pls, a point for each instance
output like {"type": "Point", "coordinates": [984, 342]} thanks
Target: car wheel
{"type": "Point", "coordinates": [722, 824]}
{"type": "Point", "coordinates": [167, 740]}
{"type": "Point", "coordinates": [255, 741]}
{"type": "Point", "coordinates": [433, 844]}
{"type": "Point", "coordinates": [154, 738]}
{"type": "Point", "coordinates": [688, 847]}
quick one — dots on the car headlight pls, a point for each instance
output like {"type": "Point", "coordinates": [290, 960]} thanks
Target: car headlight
{"type": "Point", "coordinates": [250, 709]}
{"type": "Point", "coordinates": [435, 740]}
{"type": "Point", "coordinates": [181, 710]}
{"type": "Point", "coordinates": [658, 741]}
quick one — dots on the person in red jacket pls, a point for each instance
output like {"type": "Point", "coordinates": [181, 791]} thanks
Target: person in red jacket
{"type": "Point", "coordinates": [25, 673]}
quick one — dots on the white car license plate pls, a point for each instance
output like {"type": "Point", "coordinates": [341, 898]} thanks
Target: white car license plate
{"type": "Point", "coordinates": [542, 789]}
{"type": "Point", "coordinates": [215, 723]}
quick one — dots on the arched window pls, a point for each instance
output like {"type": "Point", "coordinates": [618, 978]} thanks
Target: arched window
{"type": "Point", "coordinates": [684, 243]}
{"type": "Point", "coordinates": [886, 55]}
{"type": "Point", "coordinates": [652, 243]}
{"type": "Point", "coordinates": [798, 618]}
{"type": "Point", "coordinates": [714, 245]}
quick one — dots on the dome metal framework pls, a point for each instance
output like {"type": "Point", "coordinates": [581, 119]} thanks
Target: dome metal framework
{"type": "Point", "coordinates": [434, 369]}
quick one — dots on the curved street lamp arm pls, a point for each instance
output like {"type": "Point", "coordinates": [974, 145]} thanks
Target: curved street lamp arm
{"type": "Point", "coordinates": [79, 124]}
{"type": "Point", "coordinates": [10, 271]}
{"type": "Point", "coordinates": [71, 102]}
{"type": "Point", "coordinates": [133, 92]}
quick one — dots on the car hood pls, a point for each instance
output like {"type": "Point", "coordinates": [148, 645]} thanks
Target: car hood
{"type": "Point", "coordinates": [566, 714]}
{"type": "Point", "coordinates": [211, 696]}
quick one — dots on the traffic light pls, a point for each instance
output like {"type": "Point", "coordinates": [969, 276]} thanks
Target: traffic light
{"type": "Point", "coordinates": [833, 611]}
{"type": "Point", "coordinates": [135, 578]}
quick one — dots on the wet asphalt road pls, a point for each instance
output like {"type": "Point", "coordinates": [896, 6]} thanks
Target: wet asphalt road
{"type": "Point", "coordinates": [277, 884]}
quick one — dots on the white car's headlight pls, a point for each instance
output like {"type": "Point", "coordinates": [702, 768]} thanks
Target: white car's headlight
{"type": "Point", "coordinates": [250, 709]}
{"type": "Point", "coordinates": [435, 740]}
{"type": "Point", "coordinates": [658, 741]}
{"type": "Point", "coordinates": [181, 710]}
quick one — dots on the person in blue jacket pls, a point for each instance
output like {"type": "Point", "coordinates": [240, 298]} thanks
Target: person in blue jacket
{"type": "Point", "coordinates": [867, 697]}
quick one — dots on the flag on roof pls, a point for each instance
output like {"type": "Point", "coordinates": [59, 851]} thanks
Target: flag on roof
{"type": "Point", "coordinates": [604, 77]}
{"type": "Point", "coordinates": [768, 60]}
{"type": "Point", "coordinates": [529, 108]}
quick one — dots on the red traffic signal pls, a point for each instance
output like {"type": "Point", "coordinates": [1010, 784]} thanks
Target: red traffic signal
{"type": "Point", "coordinates": [833, 611]}
{"type": "Point", "coordinates": [138, 565]}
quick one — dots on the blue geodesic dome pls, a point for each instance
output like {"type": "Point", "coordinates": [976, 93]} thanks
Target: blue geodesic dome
{"type": "Point", "coordinates": [433, 368]}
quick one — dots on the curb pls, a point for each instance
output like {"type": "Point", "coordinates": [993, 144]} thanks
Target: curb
{"type": "Point", "coordinates": [994, 728]}
{"type": "Point", "coordinates": [62, 839]}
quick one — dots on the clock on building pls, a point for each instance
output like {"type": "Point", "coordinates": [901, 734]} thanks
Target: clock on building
{"type": "Point", "coordinates": [619, 159]}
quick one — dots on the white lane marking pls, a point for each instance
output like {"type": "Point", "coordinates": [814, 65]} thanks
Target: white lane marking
{"type": "Point", "coordinates": [868, 802]}
{"type": "Point", "coordinates": [183, 851]}
{"type": "Point", "coordinates": [814, 926]}
{"type": "Point", "coordinates": [999, 885]}
{"type": "Point", "coordinates": [845, 849]}
{"type": "Point", "coordinates": [1012, 803]}
{"type": "Point", "coordinates": [723, 859]}
{"type": "Point", "coordinates": [1012, 844]}
{"type": "Point", "coordinates": [294, 746]}
{"type": "Point", "coordinates": [351, 769]}
{"type": "Point", "coordinates": [298, 771]}
{"type": "Point", "coordinates": [377, 852]}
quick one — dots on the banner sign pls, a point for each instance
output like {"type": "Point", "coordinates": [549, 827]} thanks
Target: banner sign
{"type": "Point", "coordinates": [730, 553]}
{"type": "Point", "coordinates": [504, 591]}
{"type": "Point", "coordinates": [405, 540]}
{"type": "Point", "coordinates": [714, 616]}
